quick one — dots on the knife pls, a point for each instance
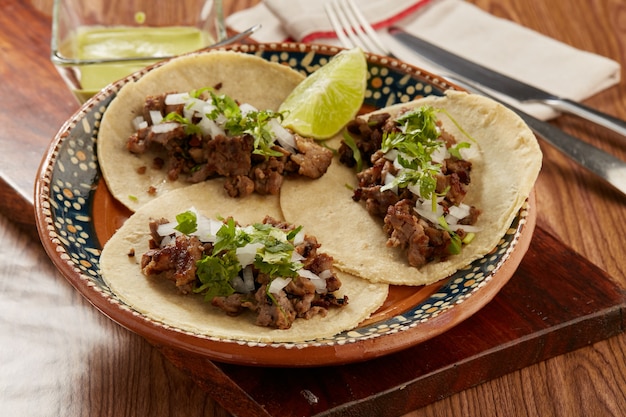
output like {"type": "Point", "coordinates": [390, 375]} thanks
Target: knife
{"type": "Point", "coordinates": [478, 74]}
{"type": "Point", "coordinates": [595, 160]}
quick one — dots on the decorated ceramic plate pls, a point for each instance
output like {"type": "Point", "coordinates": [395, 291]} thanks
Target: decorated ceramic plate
{"type": "Point", "coordinates": [76, 215]}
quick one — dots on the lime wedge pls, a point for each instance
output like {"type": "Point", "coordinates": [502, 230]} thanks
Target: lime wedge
{"type": "Point", "coordinates": [322, 104]}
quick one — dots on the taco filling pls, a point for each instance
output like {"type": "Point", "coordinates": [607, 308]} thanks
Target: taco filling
{"type": "Point", "coordinates": [201, 134]}
{"type": "Point", "coordinates": [413, 176]}
{"type": "Point", "coordinates": [449, 182]}
{"type": "Point", "coordinates": [271, 268]}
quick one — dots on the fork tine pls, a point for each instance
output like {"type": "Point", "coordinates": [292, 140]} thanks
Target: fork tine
{"type": "Point", "coordinates": [342, 25]}
{"type": "Point", "coordinates": [352, 28]}
{"type": "Point", "coordinates": [337, 27]}
{"type": "Point", "coordinates": [352, 25]}
{"type": "Point", "coordinates": [373, 40]}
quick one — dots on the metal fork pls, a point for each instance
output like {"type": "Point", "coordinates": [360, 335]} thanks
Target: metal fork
{"type": "Point", "coordinates": [352, 28]}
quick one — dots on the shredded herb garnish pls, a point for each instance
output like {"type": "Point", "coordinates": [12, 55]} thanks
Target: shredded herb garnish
{"type": "Point", "coordinates": [454, 248]}
{"type": "Point", "coordinates": [456, 149]}
{"type": "Point", "coordinates": [254, 123]}
{"type": "Point", "coordinates": [190, 128]}
{"type": "Point", "coordinates": [416, 140]}
{"type": "Point", "coordinates": [215, 274]}
{"type": "Point", "coordinates": [187, 222]}
{"type": "Point", "coordinates": [217, 269]}
{"type": "Point", "coordinates": [228, 115]}
{"type": "Point", "coordinates": [356, 152]}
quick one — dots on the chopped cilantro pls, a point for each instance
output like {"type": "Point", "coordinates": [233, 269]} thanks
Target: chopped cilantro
{"type": "Point", "coordinates": [417, 138]}
{"type": "Point", "coordinates": [190, 128]}
{"type": "Point", "coordinates": [455, 150]}
{"type": "Point", "coordinates": [187, 222]}
{"type": "Point", "coordinates": [228, 115]}
{"type": "Point", "coordinates": [293, 233]}
{"type": "Point", "coordinates": [228, 238]}
{"type": "Point", "coordinates": [454, 247]}
{"type": "Point", "coordinates": [226, 106]}
{"type": "Point", "coordinates": [254, 123]}
{"type": "Point", "coordinates": [356, 152]}
{"type": "Point", "coordinates": [415, 142]}
{"type": "Point", "coordinates": [419, 132]}
{"type": "Point", "coordinates": [217, 269]}
{"type": "Point", "coordinates": [215, 274]}
{"type": "Point", "coordinates": [199, 92]}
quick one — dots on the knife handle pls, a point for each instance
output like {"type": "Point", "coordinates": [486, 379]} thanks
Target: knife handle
{"type": "Point", "coordinates": [587, 113]}
{"type": "Point", "coordinates": [601, 163]}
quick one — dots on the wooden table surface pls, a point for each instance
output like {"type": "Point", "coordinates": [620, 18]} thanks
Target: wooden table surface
{"type": "Point", "coordinates": [112, 372]}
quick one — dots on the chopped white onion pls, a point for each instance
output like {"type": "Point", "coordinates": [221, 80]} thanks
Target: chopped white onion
{"type": "Point", "coordinates": [238, 285]}
{"type": "Point", "coordinates": [215, 226]}
{"type": "Point", "coordinates": [246, 254]}
{"type": "Point", "coordinates": [164, 127]}
{"type": "Point", "coordinates": [284, 137]}
{"type": "Point", "coordinates": [319, 283]}
{"type": "Point", "coordinates": [425, 209]}
{"type": "Point", "coordinates": [461, 211]}
{"type": "Point", "coordinates": [389, 178]}
{"type": "Point", "coordinates": [469, 153]}
{"type": "Point", "coordinates": [299, 238]}
{"type": "Point", "coordinates": [307, 274]}
{"type": "Point", "coordinates": [221, 119]}
{"type": "Point", "coordinates": [168, 240]}
{"type": "Point", "coordinates": [207, 229]}
{"type": "Point", "coordinates": [209, 128]}
{"type": "Point", "coordinates": [278, 284]}
{"type": "Point", "coordinates": [156, 117]}
{"type": "Point", "coordinates": [392, 155]}
{"type": "Point", "coordinates": [325, 274]}
{"type": "Point", "coordinates": [296, 257]}
{"type": "Point", "coordinates": [208, 108]}
{"type": "Point", "coordinates": [246, 108]}
{"type": "Point", "coordinates": [415, 189]}
{"type": "Point", "coordinates": [139, 123]}
{"type": "Point", "coordinates": [396, 163]}
{"type": "Point", "coordinates": [176, 99]}
{"type": "Point", "coordinates": [195, 105]}
{"type": "Point", "coordinates": [439, 154]}
{"type": "Point", "coordinates": [451, 220]}
{"type": "Point", "coordinates": [248, 278]}
{"type": "Point", "coordinates": [167, 229]}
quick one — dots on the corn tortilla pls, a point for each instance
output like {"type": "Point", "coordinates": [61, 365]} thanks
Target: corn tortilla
{"type": "Point", "coordinates": [246, 78]}
{"type": "Point", "coordinates": [506, 162]}
{"type": "Point", "coordinates": [157, 298]}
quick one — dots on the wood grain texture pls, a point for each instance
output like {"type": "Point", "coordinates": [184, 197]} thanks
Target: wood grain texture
{"type": "Point", "coordinates": [539, 314]}
{"type": "Point", "coordinates": [583, 212]}
{"type": "Point", "coordinates": [93, 367]}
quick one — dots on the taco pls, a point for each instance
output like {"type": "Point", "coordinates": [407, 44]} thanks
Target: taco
{"type": "Point", "coordinates": [203, 116]}
{"type": "Point", "coordinates": [160, 299]}
{"type": "Point", "coordinates": [505, 160]}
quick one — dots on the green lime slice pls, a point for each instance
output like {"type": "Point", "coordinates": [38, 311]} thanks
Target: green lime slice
{"type": "Point", "coordinates": [322, 104]}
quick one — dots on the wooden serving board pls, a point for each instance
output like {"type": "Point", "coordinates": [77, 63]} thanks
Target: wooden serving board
{"type": "Point", "coordinates": [556, 302]}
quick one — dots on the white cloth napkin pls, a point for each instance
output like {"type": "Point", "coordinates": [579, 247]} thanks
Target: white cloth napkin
{"type": "Point", "coordinates": [454, 25]}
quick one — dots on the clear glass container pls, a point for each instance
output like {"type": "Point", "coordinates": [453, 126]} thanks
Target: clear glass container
{"type": "Point", "coordinates": [96, 42]}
